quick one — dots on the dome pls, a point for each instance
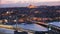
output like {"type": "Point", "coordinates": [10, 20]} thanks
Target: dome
{"type": "Point", "coordinates": [31, 6]}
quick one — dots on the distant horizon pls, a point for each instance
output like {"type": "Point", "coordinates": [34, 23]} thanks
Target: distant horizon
{"type": "Point", "coordinates": [23, 7]}
{"type": "Point", "coordinates": [25, 3]}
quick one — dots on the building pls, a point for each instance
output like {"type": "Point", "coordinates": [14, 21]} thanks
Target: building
{"type": "Point", "coordinates": [32, 6]}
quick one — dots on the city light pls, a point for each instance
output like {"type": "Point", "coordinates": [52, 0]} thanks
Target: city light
{"type": "Point", "coordinates": [30, 16]}
{"type": "Point", "coordinates": [7, 12]}
{"type": "Point", "coordinates": [15, 20]}
{"type": "Point", "coordinates": [6, 20]}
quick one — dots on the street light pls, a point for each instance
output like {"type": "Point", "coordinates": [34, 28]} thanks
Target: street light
{"type": "Point", "coordinates": [7, 12]}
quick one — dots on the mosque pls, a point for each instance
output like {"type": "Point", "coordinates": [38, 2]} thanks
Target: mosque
{"type": "Point", "coordinates": [32, 6]}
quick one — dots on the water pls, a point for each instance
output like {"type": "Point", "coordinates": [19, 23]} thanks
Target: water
{"type": "Point", "coordinates": [6, 31]}
{"type": "Point", "coordinates": [34, 27]}
{"type": "Point", "coordinates": [55, 23]}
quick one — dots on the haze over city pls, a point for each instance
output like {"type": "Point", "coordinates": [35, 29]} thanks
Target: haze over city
{"type": "Point", "coordinates": [24, 3]}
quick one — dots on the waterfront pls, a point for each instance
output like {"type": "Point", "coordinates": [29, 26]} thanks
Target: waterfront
{"type": "Point", "coordinates": [41, 19]}
{"type": "Point", "coordinates": [31, 27]}
{"type": "Point", "coordinates": [24, 27]}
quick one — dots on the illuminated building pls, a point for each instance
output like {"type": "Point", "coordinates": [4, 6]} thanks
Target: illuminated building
{"type": "Point", "coordinates": [32, 6]}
